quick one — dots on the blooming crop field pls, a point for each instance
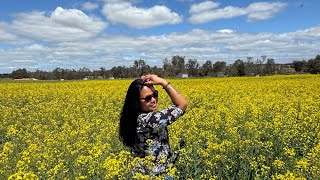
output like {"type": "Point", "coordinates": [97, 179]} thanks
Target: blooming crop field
{"type": "Point", "coordinates": [234, 128]}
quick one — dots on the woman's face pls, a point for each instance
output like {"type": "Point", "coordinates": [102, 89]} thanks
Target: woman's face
{"type": "Point", "coordinates": [148, 101]}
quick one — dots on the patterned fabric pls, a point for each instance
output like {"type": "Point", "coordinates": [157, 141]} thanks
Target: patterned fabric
{"type": "Point", "coordinates": [152, 136]}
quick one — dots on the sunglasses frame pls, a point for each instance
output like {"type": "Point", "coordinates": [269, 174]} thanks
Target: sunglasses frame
{"type": "Point", "coordinates": [149, 97]}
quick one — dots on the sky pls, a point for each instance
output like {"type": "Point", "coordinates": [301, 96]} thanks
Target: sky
{"type": "Point", "coordinates": [72, 34]}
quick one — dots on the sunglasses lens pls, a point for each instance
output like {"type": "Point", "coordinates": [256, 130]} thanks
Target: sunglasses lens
{"type": "Point", "coordinates": [154, 95]}
{"type": "Point", "coordinates": [148, 98]}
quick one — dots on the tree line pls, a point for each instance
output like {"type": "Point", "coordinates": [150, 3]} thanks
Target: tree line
{"type": "Point", "coordinates": [177, 65]}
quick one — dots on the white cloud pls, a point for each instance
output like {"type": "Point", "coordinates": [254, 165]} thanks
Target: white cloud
{"type": "Point", "coordinates": [228, 31]}
{"type": "Point", "coordinates": [263, 10]}
{"type": "Point", "coordinates": [89, 6]}
{"type": "Point", "coordinates": [309, 34]}
{"type": "Point", "coordinates": [125, 13]}
{"type": "Point", "coordinates": [255, 11]}
{"type": "Point", "coordinates": [61, 25]}
{"type": "Point", "coordinates": [76, 19]}
{"type": "Point", "coordinates": [9, 37]}
{"type": "Point", "coordinates": [36, 47]}
{"type": "Point", "coordinates": [204, 6]}
{"type": "Point", "coordinates": [109, 51]}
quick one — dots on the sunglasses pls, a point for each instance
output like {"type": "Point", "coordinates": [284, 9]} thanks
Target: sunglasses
{"type": "Point", "coordinates": [149, 97]}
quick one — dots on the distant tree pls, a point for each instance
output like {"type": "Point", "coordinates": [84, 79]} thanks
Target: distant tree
{"type": "Point", "coordinates": [171, 67]}
{"type": "Point", "coordinates": [178, 64]}
{"type": "Point", "coordinates": [219, 66]}
{"type": "Point", "coordinates": [41, 75]}
{"type": "Point", "coordinates": [168, 68]}
{"type": "Point", "coordinates": [136, 67]}
{"type": "Point", "coordinates": [240, 68]}
{"type": "Point", "coordinates": [207, 67]}
{"type": "Point", "coordinates": [20, 73]}
{"type": "Point", "coordinates": [259, 65]}
{"type": "Point", "coordinates": [119, 72]}
{"type": "Point", "coordinates": [192, 67]}
{"type": "Point", "coordinates": [250, 66]}
{"type": "Point", "coordinates": [314, 65]}
{"type": "Point", "coordinates": [158, 71]}
{"type": "Point", "coordinates": [103, 72]}
{"type": "Point", "coordinates": [57, 73]}
{"type": "Point", "coordinates": [300, 66]}
{"type": "Point", "coordinates": [270, 67]}
{"type": "Point", "coordinates": [140, 67]}
{"type": "Point", "coordinates": [231, 70]}
{"type": "Point", "coordinates": [70, 74]}
{"type": "Point", "coordinates": [83, 72]}
{"type": "Point", "coordinates": [145, 69]}
{"type": "Point", "coordinates": [5, 75]}
{"type": "Point", "coordinates": [166, 64]}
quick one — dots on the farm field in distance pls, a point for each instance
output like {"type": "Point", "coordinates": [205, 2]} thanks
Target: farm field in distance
{"type": "Point", "coordinates": [234, 128]}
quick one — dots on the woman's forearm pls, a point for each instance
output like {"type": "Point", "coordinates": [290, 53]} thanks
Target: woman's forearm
{"type": "Point", "coordinates": [176, 98]}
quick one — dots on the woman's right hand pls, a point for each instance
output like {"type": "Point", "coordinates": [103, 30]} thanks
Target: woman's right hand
{"type": "Point", "coordinates": [153, 79]}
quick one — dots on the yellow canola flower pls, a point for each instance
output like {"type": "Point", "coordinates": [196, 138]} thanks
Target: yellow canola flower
{"type": "Point", "coordinates": [234, 128]}
{"type": "Point", "coordinates": [23, 176]}
{"type": "Point", "coordinates": [278, 163]}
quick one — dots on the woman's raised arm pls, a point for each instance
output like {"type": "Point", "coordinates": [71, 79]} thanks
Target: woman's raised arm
{"type": "Point", "coordinates": [176, 98]}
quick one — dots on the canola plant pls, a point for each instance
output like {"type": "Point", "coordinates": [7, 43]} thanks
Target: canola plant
{"type": "Point", "coordinates": [234, 128]}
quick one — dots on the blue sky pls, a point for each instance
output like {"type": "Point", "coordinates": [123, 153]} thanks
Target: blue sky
{"type": "Point", "coordinates": [70, 34]}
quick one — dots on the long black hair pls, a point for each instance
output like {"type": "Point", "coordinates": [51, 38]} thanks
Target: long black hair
{"type": "Point", "coordinates": [130, 111]}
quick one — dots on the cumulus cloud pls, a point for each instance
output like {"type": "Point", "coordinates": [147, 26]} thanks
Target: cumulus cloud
{"type": "Point", "coordinates": [109, 51]}
{"type": "Point", "coordinates": [263, 10]}
{"type": "Point", "coordinates": [226, 31]}
{"type": "Point", "coordinates": [60, 25]}
{"type": "Point", "coordinates": [9, 37]}
{"type": "Point", "coordinates": [126, 13]}
{"type": "Point", "coordinates": [206, 11]}
{"type": "Point", "coordinates": [204, 6]}
{"type": "Point", "coordinates": [89, 6]}
{"type": "Point", "coordinates": [309, 34]}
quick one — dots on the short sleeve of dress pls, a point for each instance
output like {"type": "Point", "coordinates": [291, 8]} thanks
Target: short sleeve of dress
{"type": "Point", "coordinates": [160, 119]}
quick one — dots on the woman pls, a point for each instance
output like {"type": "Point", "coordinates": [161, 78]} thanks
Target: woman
{"type": "Point", "coordinates": [142, 127]}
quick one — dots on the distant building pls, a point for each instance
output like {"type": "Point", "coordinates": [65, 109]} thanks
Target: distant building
{"type": "Point", "coordinates": [88, 77]}
{"type": "Point", "coordinates": [26, 79]}
{"type": "Point", "coordinates": [182, 75]}
{"type": "Point", "coordinates": [284, 69]}
{"type": "Point", "coordinates": [220, 74]}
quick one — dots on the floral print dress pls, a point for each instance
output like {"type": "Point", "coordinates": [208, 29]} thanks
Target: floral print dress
{"type": "Point", "coordinates": [152, 137]}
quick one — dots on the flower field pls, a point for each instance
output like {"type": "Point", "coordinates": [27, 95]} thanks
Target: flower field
{"type": "Point", "coordinates": [234, 128]}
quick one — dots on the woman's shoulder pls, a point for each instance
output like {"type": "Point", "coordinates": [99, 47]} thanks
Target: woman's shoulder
{"type": "Point", "coordinates": [158, 119]}
{"type": "Point", "coordinates": [143, 113]}
{"type": "Point", "coordinates": [170, 109]}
